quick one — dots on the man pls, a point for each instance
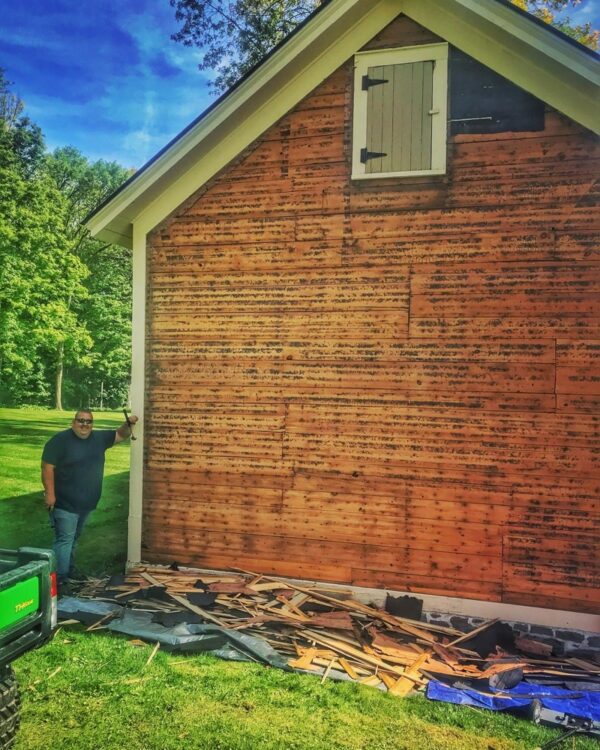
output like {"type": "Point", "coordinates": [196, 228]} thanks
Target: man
{"type": "Point", "coordinates": [72, 472]}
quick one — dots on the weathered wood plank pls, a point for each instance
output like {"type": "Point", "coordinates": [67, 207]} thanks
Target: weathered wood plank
{"type": "Point", "coordinates": [474, 325]}
{"type": "Point", "coordinates": [305, 551]}
{"type": "Point", "coordinates": [440, 225]}
{"type": "Point", "coordinates": [546, 429]}
{"type": "Point", "coordinates": [270, 292]}
{"type": "Point", "coordinates": [578, 353]}
{"type": "Point", "coordinates": [269, 326]}
{"type": "Point", "coordinates": [187, 493]}
{"type": "Point", "coordinates": [523, 494]}
{"type": "Point", "coordinates": [187, 442]}
{"type": "Point", "coordinates": [473, 400]}
{"type": "Point", "coordinates": [515, 151]}
{"type": "Point", "coordinates": [291, 254]}
{"type": "Point", "coordinates": [427, 584]}
{"type": "Point", "coordinates": [553, 543]}
{"type": "Point", "coordinates": [496, 185]}
{"type": "Point", "coordinates": [207, 480]}
{"type": "Point", "coordinates": [368, 348]}
{"type": "Point", "coordinates": [495, 377]}
{"type": "Point", "coordinates": [196, 259]}
{"type": "Point", "coordinates": [534, 302]}
{"type": "Point", "coordinates": [578, 403]}
{"type": "Point", "coordinates": [159, 457]}
{"type": "Point", "coordinates": [325, 451]}
{"type": "Point", "coordinates": [583, 380]}
{"type": "Point", "coordinates": [514, 278]}
{"type": "Point", "coordinates": [431, 562]}
{"type": "Point", "coordinates": [250, 417]}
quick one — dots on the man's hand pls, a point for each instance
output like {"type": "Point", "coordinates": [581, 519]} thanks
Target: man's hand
{"type": "Point", "coordinates": [124, 430]}
{"type": "Point", "coordinates": [48, 482]}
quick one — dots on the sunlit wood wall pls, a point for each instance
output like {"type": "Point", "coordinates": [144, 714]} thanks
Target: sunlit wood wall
{"type": "Point", "coordinates": [392, 384]}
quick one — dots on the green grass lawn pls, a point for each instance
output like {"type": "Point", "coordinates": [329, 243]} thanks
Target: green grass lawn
{"type": "Point", "coordinates": [95, 691]}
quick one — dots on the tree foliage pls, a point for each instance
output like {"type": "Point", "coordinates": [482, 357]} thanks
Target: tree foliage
{"type": "Point", "coordinates": [235, 35]}
{"type": "Point", "coordinates": [553, 12]}
{"type": "Point", "coordinates": [59, 312]}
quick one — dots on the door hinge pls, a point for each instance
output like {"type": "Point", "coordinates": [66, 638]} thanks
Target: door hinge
{"type": "Point", "coordinates": [368, 82]}
{"type": "Point", "coordinates": [365, 155]}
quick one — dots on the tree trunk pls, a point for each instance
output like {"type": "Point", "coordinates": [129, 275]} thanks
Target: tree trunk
{"type": "Point", "coordinates": [59, 377]}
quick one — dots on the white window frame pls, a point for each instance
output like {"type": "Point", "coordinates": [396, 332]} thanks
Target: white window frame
{"type": "Point", "coordinates": [365, 60]}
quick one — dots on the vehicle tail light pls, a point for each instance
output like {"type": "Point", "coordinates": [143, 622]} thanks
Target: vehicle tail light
{"type": "Point", "coordinates": [54, 600]}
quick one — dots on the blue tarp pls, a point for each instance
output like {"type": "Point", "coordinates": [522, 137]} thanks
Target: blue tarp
{"type": "Point", "coordinates": [584, 704]}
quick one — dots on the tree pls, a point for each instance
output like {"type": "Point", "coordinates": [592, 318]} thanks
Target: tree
{"type": "Point", "coordinates": [37, 274]}
{"type": "Point", "coordinates": [65, 298]}
{"type": "Point", "coordinates": [105, 305]}
{"type": "Point", "coordinates": [38, 278]}
{"type": "Point", "coordinates": [235, 35]}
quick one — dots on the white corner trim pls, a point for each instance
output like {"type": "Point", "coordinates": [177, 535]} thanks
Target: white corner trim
{"type": "Point", "coordinates": [138, 342]}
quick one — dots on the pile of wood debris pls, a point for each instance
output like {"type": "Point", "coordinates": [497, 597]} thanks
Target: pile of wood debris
{"type": "Point", "coordinates": [323, 630]}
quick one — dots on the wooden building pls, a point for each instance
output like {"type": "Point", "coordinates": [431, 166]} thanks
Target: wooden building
{"type": "Point", "coordinates": [367, 312]}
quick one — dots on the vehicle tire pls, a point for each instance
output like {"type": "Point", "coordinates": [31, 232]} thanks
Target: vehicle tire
{"type": "Point", "coordinates": [10, 708]}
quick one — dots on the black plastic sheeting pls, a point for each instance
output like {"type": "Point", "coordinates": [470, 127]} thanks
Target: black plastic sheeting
{"type": "Point", "coordinates": [182, 632]}
{"type": "Point", "coordinates": [195, 637]}
{"type": "Point", "coordinates": [87, 611]}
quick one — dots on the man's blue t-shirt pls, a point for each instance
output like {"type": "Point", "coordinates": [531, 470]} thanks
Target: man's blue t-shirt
{"type": "Point", "coordinates": [78, 468]}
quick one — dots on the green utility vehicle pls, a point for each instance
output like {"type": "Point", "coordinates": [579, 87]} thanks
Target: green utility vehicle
{"type": "Point", "coordinates": [28, 616]}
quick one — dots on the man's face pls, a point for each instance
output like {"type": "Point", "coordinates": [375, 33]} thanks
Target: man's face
{"type": "Point", "coordinates": [82, 424]}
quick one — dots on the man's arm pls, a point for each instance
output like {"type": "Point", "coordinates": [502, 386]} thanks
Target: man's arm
{"type": "Point", "coordinates": [48, 482]}
{"type": "Point", "coordinates": [124, 430]}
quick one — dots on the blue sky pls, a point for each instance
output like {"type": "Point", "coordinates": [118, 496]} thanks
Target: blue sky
{"type": "Point", "coordinates": [102, 75]}
{"type": "Point", "coordinates": [105, 77]}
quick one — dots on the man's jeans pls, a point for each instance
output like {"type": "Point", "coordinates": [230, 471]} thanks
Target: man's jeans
{"type": "Point", "coordinates": [67, 530]}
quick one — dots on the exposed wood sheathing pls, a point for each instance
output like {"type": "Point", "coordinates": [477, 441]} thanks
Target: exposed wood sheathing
{"type": "Point", "coordinates": [390, 385]}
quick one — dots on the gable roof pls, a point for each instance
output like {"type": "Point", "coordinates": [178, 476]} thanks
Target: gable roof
{"type": "Point", "coordinates": [531, 54]}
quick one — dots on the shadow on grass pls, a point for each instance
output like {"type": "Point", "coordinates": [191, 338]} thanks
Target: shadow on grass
{"type": "Point", "coordinates": [103, 545]}
{"type": "Point", "coordinates": [39, 430]}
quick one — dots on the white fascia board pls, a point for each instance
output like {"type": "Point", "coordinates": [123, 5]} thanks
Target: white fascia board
{"type": "Point", "coordinates": [364, 18]}
{"type": "Point", "coordinates": [535, 36]}
{"type": "Point", "coordinates": [537, 60]}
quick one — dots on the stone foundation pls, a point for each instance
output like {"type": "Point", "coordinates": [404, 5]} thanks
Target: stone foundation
{"type": "Point", "coordinates": [564, 641]}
